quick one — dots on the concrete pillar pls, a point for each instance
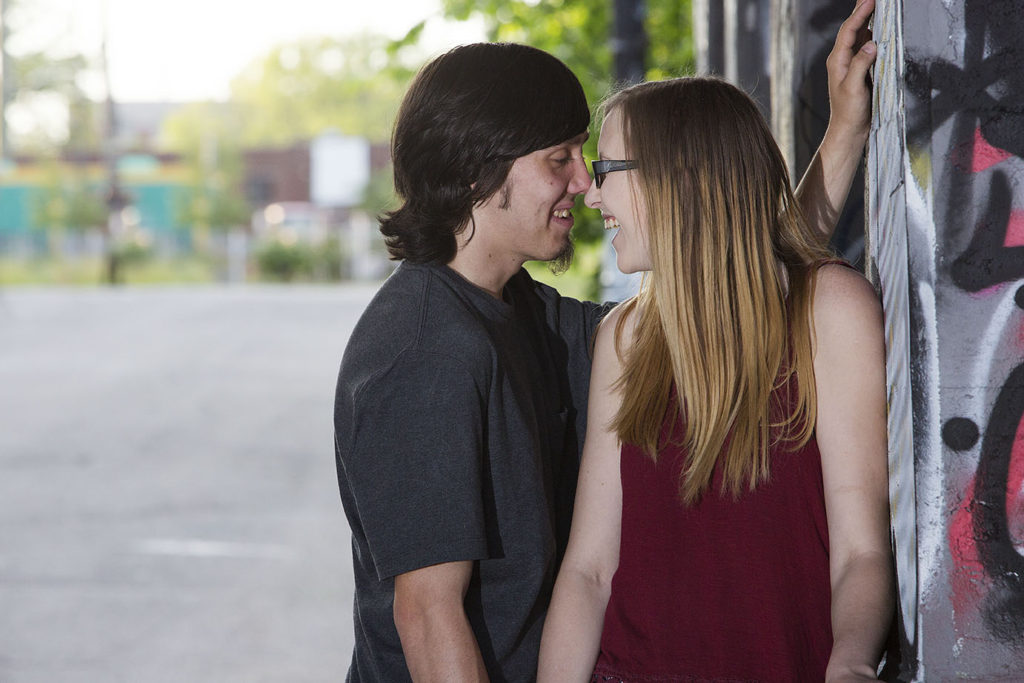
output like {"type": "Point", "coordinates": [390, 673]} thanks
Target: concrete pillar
{"type": "Point", "coordinates": [946, 244]}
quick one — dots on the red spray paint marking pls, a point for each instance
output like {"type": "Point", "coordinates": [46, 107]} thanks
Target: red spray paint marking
{"type": "Point", "coordinates": [968, 580]}
{"type": "Point", "coordinates": [1014, 494]}
{"type": "Point", "coordinates": [977, 154]}
{"type": "Point", "coordinates": [967, 569]}
{"type": "Point", "coordinates": [1015, 230]}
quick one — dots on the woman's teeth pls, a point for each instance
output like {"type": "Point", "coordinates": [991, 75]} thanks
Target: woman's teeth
{"type": "Point", "coordinates": [611, 223]}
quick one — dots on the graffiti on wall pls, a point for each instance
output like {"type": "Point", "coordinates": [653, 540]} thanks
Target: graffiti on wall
{"type": "Point", "coordinates": [976, 100]}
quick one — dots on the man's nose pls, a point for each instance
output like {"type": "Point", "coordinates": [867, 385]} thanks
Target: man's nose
{"type": "Point", "coordinates": [580, 177]}
{"type": "Point", "coordinates": [593, 196]}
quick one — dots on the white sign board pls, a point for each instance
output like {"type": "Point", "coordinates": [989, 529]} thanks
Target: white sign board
{"type": "Point", "coordinates": [339, 169]}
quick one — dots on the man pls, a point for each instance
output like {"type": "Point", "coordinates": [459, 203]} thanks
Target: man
{"type": "Point", "coordinates": [461, 400]}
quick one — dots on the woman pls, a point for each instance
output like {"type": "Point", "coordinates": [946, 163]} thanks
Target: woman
{"type": "Point", "coordinates": [746, 385]}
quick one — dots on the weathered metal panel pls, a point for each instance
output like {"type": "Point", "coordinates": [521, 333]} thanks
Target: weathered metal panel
{"type": "Point", "coordinates": [889, 264]}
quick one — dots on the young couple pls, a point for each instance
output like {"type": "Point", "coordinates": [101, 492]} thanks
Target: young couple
{"type": "Point", "coordinates": [730, 516]}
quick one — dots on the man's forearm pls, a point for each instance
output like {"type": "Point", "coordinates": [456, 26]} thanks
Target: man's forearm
{"type": "Point", "coordinates": [437, 640]}
{"type": "Point", "coordinates": [439, 645]}
{"type": "Point", "coordinates": [826, 183]}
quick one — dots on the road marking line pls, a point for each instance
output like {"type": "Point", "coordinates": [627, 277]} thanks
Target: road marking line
{"type": "Point", "coordinates": [196, 547]}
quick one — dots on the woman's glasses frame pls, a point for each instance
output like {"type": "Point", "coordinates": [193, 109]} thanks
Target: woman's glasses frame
{"type": "Point", "coordinates": [603, 167]}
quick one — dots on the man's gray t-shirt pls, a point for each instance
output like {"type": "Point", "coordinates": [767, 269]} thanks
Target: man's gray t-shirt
{"type": "Point", "coordinates": [458, 423]}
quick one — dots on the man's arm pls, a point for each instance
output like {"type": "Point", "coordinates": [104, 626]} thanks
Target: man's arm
{"type": "Point", "coordinates": [826, 183]}
{"type": "Point", "coordinates": [437, 639]}
{"type": "Point", "coordinates": [414, 466]}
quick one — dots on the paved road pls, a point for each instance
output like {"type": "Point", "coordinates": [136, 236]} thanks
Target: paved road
{"type": "Point", "coordinates": [168, 502]}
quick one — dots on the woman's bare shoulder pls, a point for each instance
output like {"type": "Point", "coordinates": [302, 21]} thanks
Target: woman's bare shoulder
{"type": "Point", "coordinates": [617, 329]}
{"type": "Point", "coordinates": [847, 317]}
{"type": "Point", "coordinates": [843, 297]}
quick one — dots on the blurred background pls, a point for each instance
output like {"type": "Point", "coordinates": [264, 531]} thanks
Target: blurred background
{"type": "Point", "coordinates": [229, 141]}
{"type": "Point", "coordinates": [188, 194]}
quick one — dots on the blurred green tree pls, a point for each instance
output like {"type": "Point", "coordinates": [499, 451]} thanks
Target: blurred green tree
{"type": "Point", "coordinates": [43, 80]}
{"type": "Point", "coordinates": [67, 201]}
{"type": "Point", "coordinates": [580, 34]}
{"type": "Point", "coordinates": [214, 198]}
{"type": "Point", "coordinates": [300, 89]}
{"type": "Point", "coordinates": [207, 135]}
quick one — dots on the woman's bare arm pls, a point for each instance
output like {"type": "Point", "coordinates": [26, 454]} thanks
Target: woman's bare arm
{"type": "Point", "coordinates": [572, 632]}
{"type": "Point", "coordinates": [849, 367]}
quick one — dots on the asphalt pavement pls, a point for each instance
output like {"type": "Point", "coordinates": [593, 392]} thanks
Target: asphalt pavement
{"type": "Point", "coordinates": [168, 500]}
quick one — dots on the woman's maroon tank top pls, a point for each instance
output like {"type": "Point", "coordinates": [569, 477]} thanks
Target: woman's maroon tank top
{"type": "Point", "coordinates": [726, 590]}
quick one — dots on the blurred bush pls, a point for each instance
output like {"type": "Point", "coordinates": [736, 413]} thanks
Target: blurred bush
{"type": "Point", "coordinates": [283, 262]}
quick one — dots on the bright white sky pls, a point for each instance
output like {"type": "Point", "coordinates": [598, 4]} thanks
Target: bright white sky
{"type": "Point", "coordinates": [179, 50]}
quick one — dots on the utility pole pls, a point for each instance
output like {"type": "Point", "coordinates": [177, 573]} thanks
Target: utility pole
{"type": "Point", "coordinates": [5, 83]}
{"type": "Point", "coordinates": [115, 199]}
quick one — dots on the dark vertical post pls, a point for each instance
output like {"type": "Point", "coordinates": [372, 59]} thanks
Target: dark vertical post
{"type": "Point", "coordinates": [747, 29]}
{"type": "Point", "coordinates": [115, 197]}
{"type": "Point", "coordinates": [709, 36]}
{"type": "Point", "coordinates": [629, 40]}
{"type": "Point", "coordinates": [629, 50]}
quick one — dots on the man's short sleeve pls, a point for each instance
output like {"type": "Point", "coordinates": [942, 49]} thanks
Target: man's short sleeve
{"type": "Point", "coordinates": [415, 463]}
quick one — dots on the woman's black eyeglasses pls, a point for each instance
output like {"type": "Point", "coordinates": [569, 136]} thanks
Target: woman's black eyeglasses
{"type": "Point", "coordinates": [603, 167]}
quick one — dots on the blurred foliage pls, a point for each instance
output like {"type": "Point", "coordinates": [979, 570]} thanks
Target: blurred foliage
{"type": "Point", "coordinates": [68, 201]}
{"type": "Point", "coordinates": [329, 261]}
{"type": "Point", "coordinates": [206, 135]}
{"type": "Point", "coordinates": [90, 271]}
{"type": "Point", "coordinates": [133, 252]}
{"type": "Point", "coordinates": [288, 261]}
{"type": "Point", "coordinates": [300, 89]}
{"type": "Point", "coordinates": [203, 131]}
{"type": "Point", "coordinates": [282, 262]}
{"type": "Point", "coordinates": [212, 202]}
{"type": "Point", "coordinates": [379, 195]}
{"type": "Point", "coordinates": [580, 34]}
{"type": "Point", "coordinates": [40, 76]}
{"type": "Point", "coordinates": [582, 280]}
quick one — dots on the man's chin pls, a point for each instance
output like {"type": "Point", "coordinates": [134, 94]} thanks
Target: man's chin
{"type": "Point", "coordinates": [561, 262]}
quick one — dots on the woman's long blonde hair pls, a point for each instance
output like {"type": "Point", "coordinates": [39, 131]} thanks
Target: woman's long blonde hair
{"type": "Point", "coordinates": [713, 317]}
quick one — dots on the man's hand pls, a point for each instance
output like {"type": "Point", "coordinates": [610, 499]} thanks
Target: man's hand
{"type": "Point", "coordinates": [849, 85]}
{"type": "Point", "coordinates": [437, 639]}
